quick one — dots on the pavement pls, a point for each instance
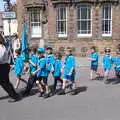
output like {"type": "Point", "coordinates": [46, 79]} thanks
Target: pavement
{"type": "Point", "coordinates": [95, 101]}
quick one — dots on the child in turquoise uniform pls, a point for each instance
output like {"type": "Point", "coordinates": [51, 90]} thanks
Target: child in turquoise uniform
{"type": "Point", "coordinates": [18, 68]}
{"type": "Point", "coordinates": [94, 57]}
{"type": "Point", "coordinates": [69, 69]}
{"type": "Point", "coordinates": [116, 63]}
{"type": "Point", "coordinates": [42, 74]}
{"type": "Point", "coordinates": [33, 61]}
{"type": "Point", "coordinates": [50, 58]}
{"type": "Point", "coordinates": [107, 63]}
{"type": "Point", "coordinates": [57, 69]}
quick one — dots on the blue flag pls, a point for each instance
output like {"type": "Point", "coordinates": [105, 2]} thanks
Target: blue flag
{"type": "Point", "coordinates": [24, 51]}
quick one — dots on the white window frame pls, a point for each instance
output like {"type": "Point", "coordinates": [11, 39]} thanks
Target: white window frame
{"type": "Point", "coordinates": [37, 11]}
{"type": "Point", "coordinates": [59, 34]}
{"type": "Point", "coordinates": [104, 19]}
{"type": "Point", "coordinates": [78, 20]}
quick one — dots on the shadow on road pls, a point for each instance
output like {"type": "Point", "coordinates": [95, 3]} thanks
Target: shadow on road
{"type": "Point", "coordinates": [114, 81]}
{"type": "Point", "coordinates": [4, 97]}
{"type": "Point", "coordinates": [73, 91]}
{"type": "Point", "coordinates": [77, 90]}
{"type": "Point", "coordinates": [33, 92]}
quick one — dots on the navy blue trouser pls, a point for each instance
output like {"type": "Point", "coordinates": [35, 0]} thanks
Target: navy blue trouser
{"type": "Point", "coordinates": [31, 81]}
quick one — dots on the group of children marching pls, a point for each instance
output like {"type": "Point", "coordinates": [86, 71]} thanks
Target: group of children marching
{"type": "Point", "coordinates": [107, 63]}
{"type": "Point", "coordinates": [43, 62]}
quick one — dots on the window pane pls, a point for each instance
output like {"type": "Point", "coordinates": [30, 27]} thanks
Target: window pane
{"type": "Point", "coordinates": [64, 27]}
{"type": "Point", "coordinates": [84, 32]}
{"type": "Point", "coordinates": [106, 26]}
{"type": "Point", "coordinates": [57, 13]}
{"type": "Point", "coordinates": [83, 13]}
{"type": "Point", "coordinates": [61, 14]}
{"type": "Point", "coordinates": [84, 19]}
{"type": "Point", "coordinates": [35, 24]}
{"type": "Point", "coordinates": [106, 20]}
{"type": "Point", "coordinates": [109, 14]}
{"type": "Point", "coordinates": [61, 20]}
{"type": "Point", "coordinates": [36, 29]}
{"type": "Point", "coordinates": [89, 13]}
{"type": "Point", "coordinates": [78, 25]}
{"type": "Point", "coordinates": [106, 12]}
{"type": "Point", "coordinates": [59, 26]}
{"type": "Point", "coordinates": [64, 13]}
{"type": "Point", "coordinates": [83, 25]}
{"type": "Point", "coordinates": [78, 14]}
{"type": "Point", "coordinates": [103, 26]}
{"type": "Point", "coordinates": [109, 26]}
{"type": "Point", "coordinates": [89, 25]}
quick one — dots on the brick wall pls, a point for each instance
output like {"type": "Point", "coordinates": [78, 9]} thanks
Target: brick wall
{"type": "Point", "coordinates": [49, 29]}
{"type": "Point", "coordinates": [20, 15]}
{"type": "Point", "coordinates": [116, 23]}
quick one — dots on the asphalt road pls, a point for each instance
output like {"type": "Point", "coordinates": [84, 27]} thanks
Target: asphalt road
{"type": "Point", "coordinates": [95, 101]}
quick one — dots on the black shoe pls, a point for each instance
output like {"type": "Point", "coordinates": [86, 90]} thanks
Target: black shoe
{"type": "Point", "coordinates": [41, 94]}
{"type": "Point", "coordinates": [61, 92]}
{"type": "Point", "coordinates": [116, 82]}
{"type": "Point", "coordinates": [14, 100]}
{"type": "Point", "coordinates": [46, 95]}
{"type": "Point", "coordinates": [106, 82]}
{"type": "Point", "coordinates": [91, 79]}
{"type": "Point", "coordinates": [25, 94]}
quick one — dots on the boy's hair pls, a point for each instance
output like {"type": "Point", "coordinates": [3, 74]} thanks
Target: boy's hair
{"type": "Point", "coordinates": [16, 36]}
{"type": "Point", "coordinates": [18, 51]}
{"type": "Point", "coordinates": [49, 48]}
{"type": "Point", "coordinates": [118, 52]}
{"type": "Point", "coordinates": [58, 54]}
{"type": "Point", "coordinates": [107, 49]}
{"type": "Point", "coordinates": [29, 50]}
{"type": "Point", "coordinates": [69, 49]}
{"type": "Point", "coordinates": [93, 48]}
{"type": "Point", "coordinates": [34, 50]}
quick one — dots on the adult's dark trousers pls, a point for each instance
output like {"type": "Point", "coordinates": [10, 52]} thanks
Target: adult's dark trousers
{"type": "Point", "coordinates": [5, 82]}
{"type": "Point", "coordinates": [31, 81]}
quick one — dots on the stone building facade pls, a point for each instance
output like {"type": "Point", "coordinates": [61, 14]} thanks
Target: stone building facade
{"type": "Point", "coordinates": [75, 23]}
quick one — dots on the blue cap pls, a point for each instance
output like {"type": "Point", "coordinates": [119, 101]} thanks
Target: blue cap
{"type": "Point", "coordinates": [49, 47]}
{"type": "Point", "coordinates": [42, 50]}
